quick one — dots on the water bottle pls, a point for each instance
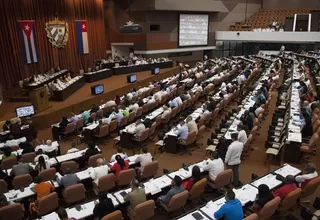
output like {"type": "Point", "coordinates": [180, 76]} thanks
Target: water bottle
{"type": "Point", "coordinates": [104, 161]}
{"type": "Point", "coordinates": [42, 142]}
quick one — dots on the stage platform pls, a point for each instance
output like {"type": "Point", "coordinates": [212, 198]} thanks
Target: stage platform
{"type": "Point", "coordinates": [82, 99]}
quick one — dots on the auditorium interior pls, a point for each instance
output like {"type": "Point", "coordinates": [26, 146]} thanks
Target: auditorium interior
{"type": "Point", "coordinates": [160, 109]}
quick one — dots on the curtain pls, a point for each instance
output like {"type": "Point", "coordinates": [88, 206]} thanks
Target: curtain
{"type": "Point", "coordinates": [12, 63]}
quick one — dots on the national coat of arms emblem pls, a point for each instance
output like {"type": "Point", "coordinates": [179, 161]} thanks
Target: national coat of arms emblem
{"type": "Point", "coordinates": [57, 32]}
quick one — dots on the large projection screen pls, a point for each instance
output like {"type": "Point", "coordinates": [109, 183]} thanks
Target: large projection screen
{"type": "Point", "coordinates": [193, 30]}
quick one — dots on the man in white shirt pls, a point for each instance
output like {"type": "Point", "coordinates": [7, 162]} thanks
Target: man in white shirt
{"type": "Point", "coordinates": [144, 158]}
{"type": "Point", "coordinates": [50, 147]}
{"type": "Point", "coordinates": [192, 125]}
{"type": "Point", "coordinates": [40, 153]}
{"type": "Point", "coordinates": [137, 129]}
{"type": "Point", "coordinates": [99, 171]}
{"type": "Point", "coordinates": [242, 135]}
{"type": "Point", "coordinates": [110, 103]}
{"type": "Point", "coordinates": [258, 111]}
{"type": "Point", "coordinates": [310, 173]}
{"type": "Point", "coordinates": [214, 165]}
{"type": "Point", "coordinates": [241, 79]}
{"type": "Point", "coordinates": [182, 132]}
{"type": "Point", "coordinates": [151, 100]}
{"type": "Point", "coordinates": [117, 115]}
{"type": "Point", "coordinates": [134, 108]}
{"type": "Point", "coordinates": [119, 152]}
{"type": "Point", "coordinates": [233, 157]}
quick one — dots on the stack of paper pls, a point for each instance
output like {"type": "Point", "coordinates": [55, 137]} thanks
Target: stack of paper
{"type": "Point", "coordinates": [212, 207]}
{"type": "Point", "coordinates": [270, 180]}
{"type": "Point", "coordinates": [287, 170]}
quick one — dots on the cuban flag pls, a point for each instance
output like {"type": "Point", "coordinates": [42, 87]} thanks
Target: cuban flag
{"type": "Point", "coordinates": [29, 41]}
{"type": "Point", "coordinates": [82, 37]}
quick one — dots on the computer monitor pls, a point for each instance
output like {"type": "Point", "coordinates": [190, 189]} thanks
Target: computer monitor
{"type": "Point", "coordinates": [155, 71]}
{"type": "Point", "coordinates": [25, 111]}
{"type": "Point", "coordinates": [131, 78]}
{"type": "Point", "coordinates": [97, 89]}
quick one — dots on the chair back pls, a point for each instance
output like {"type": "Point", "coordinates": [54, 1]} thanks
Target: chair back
{"type": "Point", "coordinates": [197, 189]}
{"type": "Point", "coordinates": [223, 179]}
{"type": "Point", "coordinates": [15, 148]}
{"type": "Point", "coordinates": [200, 132]}
{"type": "Point", "coordinates": [48, 174]}
{"type": "Point", "coordinates": [116, 215]}
{"type": "Point", "coordinates": [48, 203]}
{"type": "Point", "coordinates": [290, 200]}
{"type": "Point", "coordinates": [28, 157]}
{"type": "Point", "coordinates": [152, 129]}
{"type": "Point", "coordinates": [178, 201]}
{"type": "Point", "coordinates": [144, 135]}
{"type": "Point", "coordinates": [158, 120]}
{"type": "Point", "coordinates": [107, 182]}
{"type": "Point", "coordinates": [93, 116]}
{"type": "Point", "coordinates": [269, 208]}
{"type": "Point", "coordinates": [103, 131]}
{"type": "Point", "coordinates": [131, 117]}
{"type": "Point", "coordinates": [113, 126]}
{"type": "Point", "coordinates": [166, 118]}
{"type": "Point", "coordinates": [79, 123]}
{"type": "Point", "coordinates": [12, 212]}
{"type": "Point", "coordinates": [8, 163]}
{"type": "Point", "coordinates": [254, 131]}
{"type": "Point", "coordinates": [150, 169]}
{"type": "Point", "coordinates": [139, 112]}
{"type": "Point", "coordinates": [3, 187]}
{"type": "Point", "coordinates": [313, 139]}
{"type": "Point", "coordinates": [310, 188]}
{"type": "Point", "coordinates": [22, 181]}
{"type": "Point", "coordinates": [123, 121]}
{"type": "Point", "coordinates": [69, 129]}
{"type": "Point", "coordinates": [200, 122]}
{"type": "Point", "coordinates": [99, 114]}
{"type": "Point", "coordinates": [125, 177]}
{"type": "Point", "coordinates": [74, 193]}
{"type": "Point", "coordinates": [253, 216]}
{"type": "Point", "coordinates": [145, 108]}
{"type": "Point", "coordinates": [92, 161]}
{"type": "Point", "coordinates": [144, 210]}
{"type": "Point", "coordinates": [191, 138]}
{"type": "Point", "coordinates": [69, 164]}
{"type": "Point", "coordinates": [174, 112]}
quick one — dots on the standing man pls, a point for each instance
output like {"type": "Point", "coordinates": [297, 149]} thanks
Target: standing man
{"type": "Point", "coordinates": [233, 155]}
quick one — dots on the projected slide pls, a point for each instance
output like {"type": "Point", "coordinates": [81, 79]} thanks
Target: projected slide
{"type": "Point", "coordinates": [193, 30]}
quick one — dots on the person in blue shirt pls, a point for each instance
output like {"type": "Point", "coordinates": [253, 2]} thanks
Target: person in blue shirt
{"type": "Point", "coordinates": [232, 209]}
{"type": "Point", "coordinates": [176, 188]}
{"type": "Point", "coordinates": [173, 103]}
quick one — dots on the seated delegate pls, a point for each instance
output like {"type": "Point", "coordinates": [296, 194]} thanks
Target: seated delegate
{"type": "Point", "coordinates": [136, 196]}
{"type": "Point", "coordinates": [232, 209]}
{"type": "Point", "coordinates": [175, 189]}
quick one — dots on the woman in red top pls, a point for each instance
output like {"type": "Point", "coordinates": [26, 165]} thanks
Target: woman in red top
{"type": "Point", "coordinates": [195, 177]}
{"type": "Point", "coordinates": [120, 165]}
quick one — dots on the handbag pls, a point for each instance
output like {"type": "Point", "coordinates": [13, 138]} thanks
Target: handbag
{"type": "Point", "coordinates": [306, 214]}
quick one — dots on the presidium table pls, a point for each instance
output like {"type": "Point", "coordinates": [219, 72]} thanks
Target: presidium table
{"type": "Point", "coordinates": [61, 95]}
{"type": "Point", "coordinates": [141, 68]}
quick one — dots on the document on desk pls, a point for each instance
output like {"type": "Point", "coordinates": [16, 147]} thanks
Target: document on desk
{"type": "Point", "coordinates": [162, 181]}
{"type": "Point", "coordinates": [246, 194]}
{"type": "Point", "coordinates": [295, 137]}
{"type": "Point", "coordinates": [270, 180]}
{"type": "Point", "coordinates": [120, 194]}
{"type": "Point", "coordinates": [133, 158]}
{"type": "Point", "coordinates": [85, 174]}
{"type": "Point", "coordinates": [92, 126]}
{"type": "Point", "coordinates": [211, 207]}
{"type": "Point", "coordinates": [151, 188]}
{"type": "Point", "coordinates": [85, 211]}
{"type": "Point", "coordinates": [184, 174]}
{"type": "Point", "coordinates": [51, 216]}
{"type": "Point", "coordinates": [286, 170]}
{"type": "Point", "coordinates": [196, 213]}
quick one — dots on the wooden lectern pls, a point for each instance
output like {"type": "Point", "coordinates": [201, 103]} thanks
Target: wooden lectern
{"type": "Point", "coordinates": [39, 98]}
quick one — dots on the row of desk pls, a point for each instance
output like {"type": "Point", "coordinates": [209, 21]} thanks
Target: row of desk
{"type": "Point", "coordinates": [97, 75]}
{"type": "Point", "coordinates": [61, 95]}
{"type": "Point", "coordinates": [141, 68]}
{"type": "Point", "coordinates": [52, 77]}
{"type": "Point", "coordinates": [246, 194]}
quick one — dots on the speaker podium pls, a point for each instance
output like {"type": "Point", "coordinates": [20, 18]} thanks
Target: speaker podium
{"type": "Point", "coordinates": [39, 99]}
